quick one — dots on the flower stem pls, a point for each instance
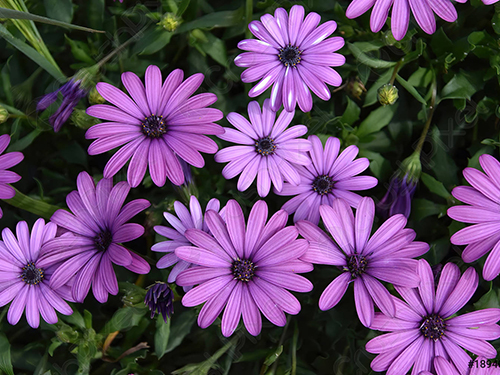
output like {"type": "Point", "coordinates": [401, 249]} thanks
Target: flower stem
{"type": "Point", "coordinates": [34, 206]}
{"type": "Point", "coordinates": [395, 72]}
{"type": "Point", "coordinates": [427, 125]}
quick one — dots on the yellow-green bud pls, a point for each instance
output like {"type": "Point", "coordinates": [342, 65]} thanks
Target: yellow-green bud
{"type": "Point", "coordinates": [170, 21]}
{"type": "Point", "coordinates": [95, 97]}
{"type": "Point", "coordinates": [4, 115]}
{"type": "Point", "coordinates": [82, 120]}
{"type": "Point", "coordinates": [388, 94]}
{"type": "Point", "coordinates": [355, 88]}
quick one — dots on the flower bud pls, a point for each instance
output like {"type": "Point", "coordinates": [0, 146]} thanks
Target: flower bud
{"type": "Point", "coordinates": [388, 94]}
{"type": "Point", "coordinates": [170, 21]}
{"type": "Point", "coordinates": [4, 115]}
{"type": "Point", "coordinates": [82, 120]}
{"type": "Point", "coordinates": [95, 97]}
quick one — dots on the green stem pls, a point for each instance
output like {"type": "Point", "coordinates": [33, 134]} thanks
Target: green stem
{"type": "Point", "coordinates": [34, 206]}
{"type": "Point", "coordinates": [294, 348]}
{"type": "Point", "coordinates": [282, 339]}
{"type": "Point", "coordinates": [249, 16]}
{"type": "Point", "coordinates": [427, 125]}
{"type": "Point", "coordinates": [395, 72]}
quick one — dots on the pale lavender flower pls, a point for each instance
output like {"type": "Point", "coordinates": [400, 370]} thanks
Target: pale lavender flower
{"type": "Point", "coordinates": [483, 210]}
{"type": "Point", "coordinates": [423, 11]}
{"type": "Point", "coordinates": [185, 219]}
{"type": "Point", "coordinates": [426, 325]}
{"type": "Point", "coordinates": [363, 259]}
{"type": "Point", "coordinates": [95, 230]}
{"type": "Point", "coordinates": [293, 54]}
{"type": "Point", "coordinates": [25, 281]}
{"type": "Point", "coordinates": [329, 176]}
{"type": "Point", "coordinates": [267, 149]}
{"type": "Point", "coordinates": [489, 2]}
{"type": "Point", "coordinates": [157, 124]}
{"type": "Point", "coordinates": [8, 177]}
{"type": "Point", "coordinates": [246, 270]}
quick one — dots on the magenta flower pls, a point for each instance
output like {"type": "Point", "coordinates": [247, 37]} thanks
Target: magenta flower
{"type": "Point", "coordinates": [483, 199]}
{"type": "Point", "coordinates": [386, 256]}
{"type": "Point", "coordinates": [424, 325]}
{"type": "Point", "coordinates": [158, 123]}
{"type": "Point", "coordinates": [245, 270]}
{"type": "Point", "coordinates": [292, 55]}
{"type": "Point", "coordinates": [443, 367]}
{"type": "Point", "coordinates": [96, 228]}
{"type": "Point", "coordinates": [8, 177]}
{"type": "Point", "coordinates": [489, 2]}
{"type": "Point", "coordinates": [423, 11]}
{"type": "Point", "coordinates": [329, 176]}
{"type": "Point", "coordinates": [268, 149]}
{"type": "Point", "coordinates": [185, 219]}
{"type": "Point", "coordinates": [25, 281]}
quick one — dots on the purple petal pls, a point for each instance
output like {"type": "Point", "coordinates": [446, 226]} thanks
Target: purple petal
{"type": "Point", "coordinates": [334, 291]}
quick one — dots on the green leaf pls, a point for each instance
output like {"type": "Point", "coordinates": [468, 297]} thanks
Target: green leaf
{"type": "Point", "coordinates": [124, 318]}
{"type": "Point", "coordinates": [461, 86]}
{"type": "Point", "coordinates": [376, 120]}
{"type": "Point", "coordinates": [216, 49]}
{"type": "Point", "coordinates": [5, 360]}
{"type": "Point", "coordinates": [410, 89]}
{"type": "Point", "coordinates": [271, 358]}
{"type": "Point", "coordinates": [35, 206]}
{"type": "Point", "coordinates": [422, 208]}
{"type": "Point", "coordinates": [80, 50]}
{"type": "Point", "coordinates": [158, 40]}
{"type": "Point", "coordinates": [162, 335]}
{"type": "Point", "coordinates": [61, 10]}
{"type": "Point", "coordinates": [96, 13]}
{"type": "Point", "coordinates": [438, 250]}
{"type": "Point", "coordinates": [24, 142]}
{"type": "Point", "coordinates": [218, 19]}
{"type": "Point", "coordinates": [182, 7]}
{"type": "Point", "coordinates": [181, 327]}
{"type": "Point", "coordinates": [16, 14]}
{"type": "Point", "coordinates": [351, 113]}
{"type": "Point", "coordinates": [442, 164]}
{"type": "Point", "coordinates": [422, 77]}
{"type": "Point", "coordinates": [371, 95]}
{"type": "Point", "coordinates": [363, 58]}
{"type": "Point", "coordinates": [435, 186]}
{"type": "Point", "coordinates": [491, 299]}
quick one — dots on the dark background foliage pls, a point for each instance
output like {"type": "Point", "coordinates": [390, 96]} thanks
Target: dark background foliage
{"type": "Point", "coordinates": [462, 59]}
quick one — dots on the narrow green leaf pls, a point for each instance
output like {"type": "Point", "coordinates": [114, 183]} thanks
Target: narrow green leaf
{"type": "Point", "coordinates": [376, 120]}
{"type": "Point", "coordinates": [435, 186]}
{"type": "Point", "coordinates": [162, 335]}
{"type": "Point", "coordinates": [180, 329]}
{"type": "Point", "coordinates": [216, 49]}
{"type": "Point", "coordinates": [351, 113]}
{"type": "Point", "coordinates": [34, 206]}
{"type": "Point", "coordinates": [363, 58]}
{"type": "Point", "coordinates": [217, 19]}
{"type": "Point", "coordinates": [61, 10]}
{"type": "Point", "coordinates": [5, 361]}
{"type": "Point", "coordinates": [410, 89]}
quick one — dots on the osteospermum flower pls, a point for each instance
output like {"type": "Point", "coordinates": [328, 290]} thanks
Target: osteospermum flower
{"type": "Point", "coordinates": [156, 124]}
{"type": "Point", "coordinates": [25, 281]}
{"type": "Point", "coordinates": [423, 11]}
{"type": "Point", "coordinates": [245, 270]}
{"type": "Point", "coordinates": [8, 177]}
{"type": "Point", "coordinates": [160, 299]}
{"type": "Point", "coordinates": [386, 256]}
{"type": "Point", "coordinates": [185, 219]}
{"type": "Point", "coordinates": [292, 54]}
{"type": "Point", "coordinates": [329, 176]}
{"type": "Point", "coordinates": [483, 208]}
{"type": "Point", "coordinates": [480, 366]}
{"type": "Point", "coordinates": [268, 150]}
{"type": "Point", "coordinates": [72, 91]}
{"type": "Point", "coordinates": [95, 230]}
{"type": "Point", "coordinates": [423, 326]}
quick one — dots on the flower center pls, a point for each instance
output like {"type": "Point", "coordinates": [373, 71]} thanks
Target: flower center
{"type": "Point", "coordinates": [32, 275]}
{"type": "Point", "coordinates": [289, 55]}
{"type": "Point", "coordinates": [243, 270]}
{"type": "Point", "coordinates": [154, 126]}
{"type": "Point", "coordinates": [323, 184]}
{"type": "Point", "coordinates": [433, 327]}
{"type": "Point", "coordinates": [265, 146]}
{"type": "Point", "coordinates": [356, 265]}
{"type": "Point", "coordinates": [103, 240]}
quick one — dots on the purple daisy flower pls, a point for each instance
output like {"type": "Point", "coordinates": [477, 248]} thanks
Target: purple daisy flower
{"type": "Point", "coordinates": [386, 256]}
{"type": "Point", "coordinates": [443, 367]}
{"type": "Point", "coordinates": [158, 123]}
{"type": "Point", "coordinates": [329, 176]}
{"type": "Point", "coordinates": [424, 325]}
{"type": "Point", "coordinates": [245, 270]}
{"type": "Point", "coordinates": [8, 177]}
{"type": "Point", "coordinates": [483, 200]}
{"type": "Point", "coordinates": [423, 11]}
{"type": "Point", "coordinates": [72, 92]}
{"type": "Point", "coordinates": [292, 54]}
{"type": "Point", "coordinates": [185, 219]}
{"type": "Point", "coordinates": [489, 2]}
{"type": "Point", "coordinates": [268, 151]}
{"type": "Point", "coordinates": [96, 227]}
{"type": "Point", "coordinates": [25, 281]}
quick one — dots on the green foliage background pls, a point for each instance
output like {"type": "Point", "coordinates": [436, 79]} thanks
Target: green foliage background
{"type": "Point", "coordinates": [461, 59]}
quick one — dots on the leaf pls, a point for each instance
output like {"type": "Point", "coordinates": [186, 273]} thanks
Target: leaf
{"type": "Point", "coordinates": [96, 13]}
{"type": "Point", "coordinates": [24, 142]}
{"type": "Point", "coordinates": [218, 19]}
{"type": "Point", "coordinates": [216, 49]}
{"type": "Point", "coordinates": [5, 361]}
{"type": "Point", "coordinates": [422, 77]}
{"type": "Point", "coordinates": [271, 358]}
{"type": "Point", "coordinates": [16, 14]}
{"type": "Point", "coordinates": [124, 318]}
{"type": "Point", "coordinates": [461, 86]}
{"type": "Point", "coordinates": [367, 60]}
{"type": "Point", "coordinates": [351, 113]}
{"type": "Point", "coordinates": [61, 10]}
{"type": "Point", "coordinates": [162, 335]}
{"type": "Point", "coordinates": [410, 89]}
{"type": "Point", "coordinates": [158, 40]}
{"type": "Point", "coordinates": [441, 162]}
{"type": "Point", "coordinates": [371, 95]}
{"type": "Point", "coordinates": [376, 120]}
{"type": "Point", "coordinates": [422, 208]}
{"type": "Point", "coordinates": [435, 186]}
{"type": "Point", "coordinates": [491, 299]}
{"type": "Point", "coordinates": [182, 7]}
{"type": "Point", "coordinates": [80, 50]}
{"type": "Point", "coordinates": [181, 327]}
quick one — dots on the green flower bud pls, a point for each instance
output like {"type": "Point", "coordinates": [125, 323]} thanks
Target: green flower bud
{"type": "Point", "coordinates": [388, 94]}
{"type": "Point", "coordinates": [411, 167]}
{"type": "Point", "coordinates": [82, 120]}
{"type": "Point", "coordinates": [95, 97]}
{"type": "Point", "coordinates": [355, 88]}
{"type": "Point", "coordinates": [4, 115]}
{"type": "Point", "coordinates": [170, 22]}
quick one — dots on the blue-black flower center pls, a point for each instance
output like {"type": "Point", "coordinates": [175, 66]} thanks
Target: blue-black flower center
{"type": "Point", "coordinates": [323, 184]}
{"type": "Point", "coordinates": [31, 274]}
{"type": "Point", "coordinates": [356, 265]}
{"type": "Point", "coordinates": [289, 55]}
{"type": "Point", "coordinates": [265, 146]}
{"type": "Point", "coordinates": [433, 327]}
{"type": "Point", "coordinates": [154, 126]}
{"type": "Point", "coordinates": [103, 240]}
{"type": "Point", "coordinates": [243, 270]}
